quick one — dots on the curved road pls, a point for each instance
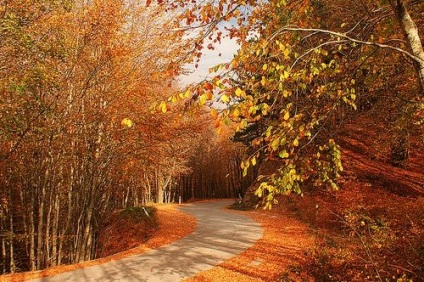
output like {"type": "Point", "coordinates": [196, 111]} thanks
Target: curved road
{"type": "Point", "coordinates": [220, 235]}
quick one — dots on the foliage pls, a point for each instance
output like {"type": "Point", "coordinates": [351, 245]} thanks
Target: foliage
{"type": "Point", "coordinates": [302, 70]}
{"type": "Point", "coordinates": [81, 132]}
{"type": "Point", "coordinates": [364, 226]}
{"type": "Point", "coordinates": [225, 180]}
{"type": "Point", "coordinates": [78, 138]}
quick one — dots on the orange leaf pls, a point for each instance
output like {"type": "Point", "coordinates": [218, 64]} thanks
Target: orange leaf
{"type": "Point", "coordinates": [208, 86]}
{"type": "Point", "coordinates": [214, 113]}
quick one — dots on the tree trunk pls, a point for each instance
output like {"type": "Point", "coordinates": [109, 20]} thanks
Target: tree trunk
{"type": "Point", "coordinates": [11, 246]}
{"type": "Point", "coordinates": [47, 232]}
{"type": "Point", "coordinates": [410, 31]}
{"type": "Point", "coordinates": [3, 239]}
{"type": "Point", "coordinates": [40, 255]}
{"type": "Point", "coordinates": [32, 262]}
{"type": "Point", "coordinates": [55, 229]}
{"type": "Point", "coordinates": [23, 202]}
{"type": "Point", "coordinates": [193, 184]}
{"type": "Point", "coordinates": [400, 149]}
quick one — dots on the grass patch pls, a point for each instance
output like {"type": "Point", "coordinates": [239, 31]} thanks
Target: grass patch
{"type": "Point", "coordinates": [140, 214]}
{"type": "Point", "coordinates": [242, 206]}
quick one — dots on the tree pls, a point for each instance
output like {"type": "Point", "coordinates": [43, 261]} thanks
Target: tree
{"type": "Point", "coordinates": [303, 67]}
{"type": "Point", "coordinates": [76, 82]}
{"type": "Point", "coordinates": [214, 165]}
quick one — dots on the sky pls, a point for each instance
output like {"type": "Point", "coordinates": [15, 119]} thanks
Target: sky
{"type": "Point", "coordinates": [210, 58]}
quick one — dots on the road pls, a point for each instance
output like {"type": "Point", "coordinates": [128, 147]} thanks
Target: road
{"type": "Point", "coordinates": [220, 235]}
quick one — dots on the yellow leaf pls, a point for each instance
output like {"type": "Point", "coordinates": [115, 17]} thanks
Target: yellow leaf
{"type": "Point", "coordinates": [286, 52]}
{"type": "Point", "coordinates": [264, 67]}
{"type": "Point", "coordinates": [187, 94]}
{"type": "Point", "coordinates": [296, 142]}
{"type": "Point", "coordinates": [239, 92]}
{"type": "Point", "coordinates": [225, 98]}
{"type": "Point", "coordinates": [127, 122]}
{"type": "Point", "coordinates": [275, 144]}
{"type": "Point", "coordinates": [283, 154]}
{"type": "Point", "coordinates": [163, 107]}
{"type": "Point", "coordinates": [253, 161]}
{"type": "Point", "coordinates": [286, 116]}
{"type": "Point", "coordinates": [202, 99]}
{"type": "Point", "coordinates": [235, 113]}
{"type": "Point", "coordinates": [263, 81]}
{"type": "Point", "coordinates": [214, 113]}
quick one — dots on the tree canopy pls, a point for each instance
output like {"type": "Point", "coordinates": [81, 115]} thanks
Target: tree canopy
{"type": "Point", "coordinates": [81, 133]}
{"type": "Point", "coordinates": [303, 69]}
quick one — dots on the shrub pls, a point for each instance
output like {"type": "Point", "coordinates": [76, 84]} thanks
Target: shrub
{"type": "Point", "coordinates": [138, 214]}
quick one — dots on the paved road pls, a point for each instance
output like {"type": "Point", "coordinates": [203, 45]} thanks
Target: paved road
{"type": "Point", "coordinates": [219, 236]}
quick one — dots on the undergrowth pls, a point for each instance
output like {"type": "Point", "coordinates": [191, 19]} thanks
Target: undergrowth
{"type": "Point", "coordinates": [363, 235]}
{"type": "Point", "coordinates": [138, 214]}
{"type": "Point", "coordinates": [127, 229]}
{"type": "Point", "coordinates": [242, 206]}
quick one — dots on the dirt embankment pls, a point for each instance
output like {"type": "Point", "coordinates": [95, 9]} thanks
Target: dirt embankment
{"type": "Point", "coordinates": [366, 157]}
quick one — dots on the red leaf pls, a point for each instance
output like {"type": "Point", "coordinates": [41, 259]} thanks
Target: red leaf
{"type": "Point", "coordinates": [208, 86]}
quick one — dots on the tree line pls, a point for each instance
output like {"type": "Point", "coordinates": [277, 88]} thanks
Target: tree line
{"type": "Point", "coordinates": [81, 134]}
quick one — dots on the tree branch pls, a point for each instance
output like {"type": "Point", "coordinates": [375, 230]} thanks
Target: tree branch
{"type": "Point", "coordinates": [348, 38]}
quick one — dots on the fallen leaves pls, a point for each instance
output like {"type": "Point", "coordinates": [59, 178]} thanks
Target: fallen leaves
{"type": "Point", "coordinates": [170, 226]}
{"type": "Point", "coordinates": [281, 247]}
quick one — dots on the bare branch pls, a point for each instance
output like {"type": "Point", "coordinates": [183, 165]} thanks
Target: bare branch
{"type": "Point", "coordinates": [313, 49]}
{"type": "Point", "coordinates": [348, 38]}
